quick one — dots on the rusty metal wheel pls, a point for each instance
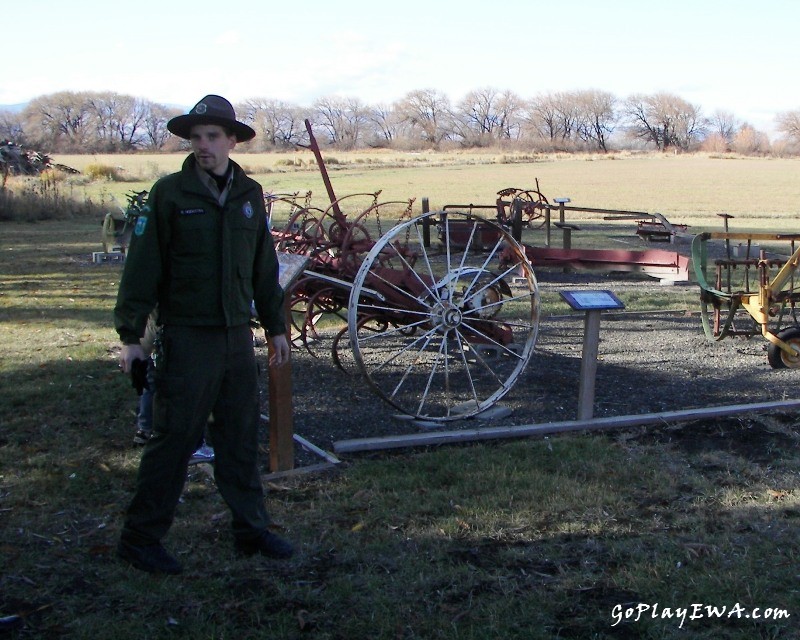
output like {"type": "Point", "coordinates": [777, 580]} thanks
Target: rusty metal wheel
{"type": "Point", "coordinates": [533, 204]}
{"type": "Point", "coordinates": [458, 328]}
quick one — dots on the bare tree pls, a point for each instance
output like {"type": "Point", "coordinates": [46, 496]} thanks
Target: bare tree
{"type": "Point", "coordinates": [597, 117]}
{"type": "Point", "coordinates": [664, 119]}
{"type": "Point", "coordinates": [477, 113]}
{"type": "Point", "coordinates": [343, 119]}
{"type": "Point", "coordinates": [130, 119]}
{"type": "Point", "coordinates": [119, 120]}
{"type": "Point", "coordinates": [279, 124]}
{"type": "Point", "coordinates": [750, 141]}
{"type": "Point", "coordinates": [488, 116]}
{"type": "Point", "coordinates": [155, 121]}
{"type": "Point", "coordinates": [788, 123]}
{"type": "Point", "coordinates": [544, 119]}
{"type": "Point", "coordinates": [509, 110]}
{"type": "Point", "coordinates": [385, 125]}
{"type": "Point", "coordinates": [11, 127]}
{"type": "Point", "coordinates": [59, 121]}
{"type": "Point", "coordinates": [428, 113]}
{"type": "Point", "coordinates": [724, 124]}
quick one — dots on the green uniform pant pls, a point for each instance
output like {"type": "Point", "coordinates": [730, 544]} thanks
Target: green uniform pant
{"type": "Point", "coordinates": [200, 371]}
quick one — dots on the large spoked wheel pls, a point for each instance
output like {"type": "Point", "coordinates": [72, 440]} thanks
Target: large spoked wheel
{"type": "Point", "coordinates": [443, 332]}
{"type": "Point", "coordinates": [777, 357]}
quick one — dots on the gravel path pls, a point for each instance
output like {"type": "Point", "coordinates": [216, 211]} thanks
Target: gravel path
{"type": "Point", "coordinates": [647, 362]}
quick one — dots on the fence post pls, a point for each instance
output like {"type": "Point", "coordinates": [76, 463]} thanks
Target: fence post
{"type": "Point", "coordinates": [516, 220]}
{"type": "Point", "coordinates": [426, 224]}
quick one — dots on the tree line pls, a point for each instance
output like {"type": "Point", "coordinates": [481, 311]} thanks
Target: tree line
{"type": "Point", "coordinates": [583, 120]}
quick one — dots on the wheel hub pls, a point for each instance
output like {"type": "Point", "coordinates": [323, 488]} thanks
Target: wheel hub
{"type": "Point", "coordinates": [447, 316]}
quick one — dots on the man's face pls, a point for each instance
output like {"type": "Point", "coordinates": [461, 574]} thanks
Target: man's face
{"type": "Point", "coordinates": [212, 146]}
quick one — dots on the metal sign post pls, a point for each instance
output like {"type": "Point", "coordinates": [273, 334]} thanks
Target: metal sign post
{"type": "Point", "coordinates": [592, 303]}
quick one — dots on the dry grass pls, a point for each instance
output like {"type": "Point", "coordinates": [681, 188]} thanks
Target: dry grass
{"type": "Point", "coordinates": [691, 189]}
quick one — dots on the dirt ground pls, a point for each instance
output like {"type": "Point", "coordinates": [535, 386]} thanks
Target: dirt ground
{"type": "Point", "coordinates": [647, 363]}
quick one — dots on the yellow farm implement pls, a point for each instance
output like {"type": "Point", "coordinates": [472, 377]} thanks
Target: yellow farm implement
{"type": "Point", "coordinates": [751, 290]}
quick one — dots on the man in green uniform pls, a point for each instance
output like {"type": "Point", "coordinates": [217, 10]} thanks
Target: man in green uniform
{"type": "Point", "coordinates": [201, 251]}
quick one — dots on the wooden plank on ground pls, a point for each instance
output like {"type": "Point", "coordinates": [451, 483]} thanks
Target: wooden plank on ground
{"type": "Point", "coordinates": [431, 438]}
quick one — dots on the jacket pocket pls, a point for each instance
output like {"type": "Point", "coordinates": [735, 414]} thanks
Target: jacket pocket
{"type": "Point", "coordinates": [245, 280]}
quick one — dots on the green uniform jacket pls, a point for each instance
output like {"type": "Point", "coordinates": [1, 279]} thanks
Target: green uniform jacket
{"type": "Point", "coordinates": [202, 263]}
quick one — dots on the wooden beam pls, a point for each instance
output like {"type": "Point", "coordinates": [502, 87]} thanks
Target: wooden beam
{"type": "Point", "coordinates": [527, 430]}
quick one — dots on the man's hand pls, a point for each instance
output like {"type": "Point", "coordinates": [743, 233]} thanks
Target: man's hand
{"type": "Point", "coordinates": [129, 353]}
{"type": "Point", "coordinates": [278, 350]}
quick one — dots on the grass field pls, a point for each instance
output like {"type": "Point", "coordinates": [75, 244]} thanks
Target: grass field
{"type": "Point", "coordinates": [690, 189]}
{"type": "Point", "coordinates": [622, 536]}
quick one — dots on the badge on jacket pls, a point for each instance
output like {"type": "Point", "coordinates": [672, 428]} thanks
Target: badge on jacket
{"type": "Point", "coordinates": [141, 223]}
{"type": "Point", "coordinates": [247, 210]}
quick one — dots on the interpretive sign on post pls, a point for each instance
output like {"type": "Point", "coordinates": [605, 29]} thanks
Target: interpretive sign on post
{"type": "Point", "coordinates": [592, 303]}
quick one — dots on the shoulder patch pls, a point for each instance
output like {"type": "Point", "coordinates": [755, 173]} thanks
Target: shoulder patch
{"type": "Point", "coordinates": [141, 223]}
{"type": "Point", "coordinates": [247, 210]}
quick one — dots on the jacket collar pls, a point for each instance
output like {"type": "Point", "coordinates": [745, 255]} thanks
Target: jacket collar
{"type": "Point", "coordinates": [191, 179]}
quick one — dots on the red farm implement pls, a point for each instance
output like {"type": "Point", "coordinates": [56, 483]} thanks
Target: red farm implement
{"type": "Point", "coordinates": [437, 329]}
{"type": "Point", "coordinates": [438, 311]}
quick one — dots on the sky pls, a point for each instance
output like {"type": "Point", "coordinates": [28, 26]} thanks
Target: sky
{"type": "Point", "coordinates": [739, 56]}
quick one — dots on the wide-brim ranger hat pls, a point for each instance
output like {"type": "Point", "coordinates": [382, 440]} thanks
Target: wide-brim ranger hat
{"type": "Point", "coordinates": [211, 110]}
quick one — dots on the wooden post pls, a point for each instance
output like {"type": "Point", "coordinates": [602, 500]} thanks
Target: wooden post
{"type": "Point", "coordinates": [591, 341]}
{"type": "Point", "coordinates": [426, 224]}
{"type": "Point", "coordinates": [436, 438]}
{"type": "Point", "coordinates": [547, 226]}
{"type": "Point", "coordinates": [516, 220]}
{"type": "Point", "coordinates": [281, 415]}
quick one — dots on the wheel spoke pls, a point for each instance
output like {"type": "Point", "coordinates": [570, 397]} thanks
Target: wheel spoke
{"type": "Point", "coordinates": [424, 397]}
{"type": "Point", "coordinates": [497, 278]}
{"type": "Point", "coordinates": [395, 287]}
{"type": "Point", "coordinates": [492, 340]}
{"type": "Point", "coordinates": [434, 294]}
{"type": "Point", "coordinates": [425, 336]}
{"type": "Point", "coordinates": [483, 269]}
{"type": "Point", "coordinates": [393, 331]}
{"type": "Point", "coordinates": [467, 368]}
{"type": "Point", "coordinates": [415, 274]}
{"type": "Point", "coordinates": [410, 367]}
{"type": "Point", "coordinates": [374, 307]}
{"type": "Point", "coordinates": [473, 310]}
{"type": "Point", "coordinates": [481, 360]}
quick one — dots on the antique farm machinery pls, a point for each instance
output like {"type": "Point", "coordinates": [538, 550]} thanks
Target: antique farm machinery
{"type": "Point", "coordinates": [438, 329]}
{"type": "Point", "coordinates": [118, 225]}
{"type": "Point", "coordinates": [751, 291]}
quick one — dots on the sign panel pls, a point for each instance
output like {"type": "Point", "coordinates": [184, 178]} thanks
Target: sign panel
{"type": "Point", "coordinates": [290, 266]}
{"type": "Point", "coordinates": [592, 300]}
